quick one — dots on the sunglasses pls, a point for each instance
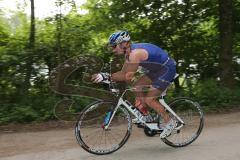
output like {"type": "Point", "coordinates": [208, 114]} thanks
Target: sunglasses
{"type": "Point", "coordinates": [113, 46]}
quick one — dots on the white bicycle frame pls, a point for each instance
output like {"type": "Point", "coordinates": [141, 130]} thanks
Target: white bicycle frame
{"type": "Point", "coordinates": [139, 116]}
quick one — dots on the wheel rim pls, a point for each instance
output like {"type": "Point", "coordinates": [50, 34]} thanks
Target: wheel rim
{"type": "Point", "coordinates": [94, 138]}
{"type": "Point", "coordinates": [190, 112]}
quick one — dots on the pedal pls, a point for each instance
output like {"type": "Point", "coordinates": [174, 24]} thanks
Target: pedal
{"type": "Point", "coordinates": [140, 125]}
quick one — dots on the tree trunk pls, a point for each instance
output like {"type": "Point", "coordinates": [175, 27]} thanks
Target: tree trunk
{"type": "Point", "coordinates": [74, 6]}
{"type": "Point", "coordinates": [226, 43]}
{"type": "Point", "coordinates": [29, 59]}
{"type": "Point", "coordinates": [58, 42]}
{"type": "Point", "coordinates": [178, 50]}
{"type": "Point", "coordinates": [32, 30]}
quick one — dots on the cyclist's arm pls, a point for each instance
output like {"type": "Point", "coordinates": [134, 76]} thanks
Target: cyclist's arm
{"type": "Point", "coordinates": [129, 67]}
{"type": "Point", "coordinates": [120, 75]}
{"type": "Point", "coordinates": [134, 60]}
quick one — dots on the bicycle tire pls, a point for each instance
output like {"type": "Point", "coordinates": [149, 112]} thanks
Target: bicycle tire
{"type": "Point", "coordinates": [122, 116]}
{"type": "Point", "coordinates": [189, 111]}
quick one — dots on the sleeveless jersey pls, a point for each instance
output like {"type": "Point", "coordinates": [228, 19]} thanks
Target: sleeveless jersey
{"type": "Point", "coordinates": [155, 53]}
{"type": "Point", "coordinates": [156, 56]}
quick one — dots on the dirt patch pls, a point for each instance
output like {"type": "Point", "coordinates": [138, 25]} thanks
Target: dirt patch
{"type": "Point", "coordinates": [36, 126]}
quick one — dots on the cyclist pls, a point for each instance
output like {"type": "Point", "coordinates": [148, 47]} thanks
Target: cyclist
{"type": "Point", "coordinates": [159, 71]}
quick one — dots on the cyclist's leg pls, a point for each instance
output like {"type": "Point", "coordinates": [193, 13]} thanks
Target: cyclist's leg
{"type": "Point", "coordinates": [170, 124]}
{"type": "Point", "coordinates": [140, 94]}
{"type": "Point", "coordinates": [139, 85]}
{"type": "Point", "coordinates": [161, 80]}
{"type": "Point", "coordinates": [151, 100]}
{"type": "Point", "coordinates": [160, 83]}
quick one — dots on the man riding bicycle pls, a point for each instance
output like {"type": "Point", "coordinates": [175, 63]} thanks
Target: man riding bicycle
{"type": "Point", "coordinates": [159, 71]}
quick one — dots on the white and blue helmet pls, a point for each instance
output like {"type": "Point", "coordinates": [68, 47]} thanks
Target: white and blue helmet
{"type": "Point", "coordinates": [119, 37]}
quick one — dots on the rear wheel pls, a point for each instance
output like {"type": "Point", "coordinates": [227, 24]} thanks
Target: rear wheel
{"type": "Point", "coordinates": [90, 131]}
{"type": "Point", "coordinates": [191, 113]}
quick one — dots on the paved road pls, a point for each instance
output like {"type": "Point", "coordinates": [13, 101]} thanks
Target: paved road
{"type": "Point", "coordinates": [220, 140]}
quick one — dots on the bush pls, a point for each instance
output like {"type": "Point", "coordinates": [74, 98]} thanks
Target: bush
{"type": "Point", "coordinates": [38, 107]}
{"type": "Point", "coordinates": [215, 97]}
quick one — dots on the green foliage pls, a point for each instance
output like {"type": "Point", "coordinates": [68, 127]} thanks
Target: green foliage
{"type": "Point", "coordinates": [38, 107]}
{"type": "Point", "coordinates": [214, 97]}
{"type": "Point", "coordinates": [35, 107]}
{"type": "Point", "coordinates": [187, 30]}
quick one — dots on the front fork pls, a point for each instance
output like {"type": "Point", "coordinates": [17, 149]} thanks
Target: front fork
{"type": "Point", "coordinates": [107, 119]}
{"type": "Point", "coordinates": [109, 116]}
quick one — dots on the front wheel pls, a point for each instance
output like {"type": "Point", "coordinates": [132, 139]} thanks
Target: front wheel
{"type": "Point", "coordinates": [91, 134]}
{"type": "Point", "coordinates": [192, 115]}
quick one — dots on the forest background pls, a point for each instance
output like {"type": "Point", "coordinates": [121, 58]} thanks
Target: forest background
{"type": "Point", "coordinates": [203, 36]}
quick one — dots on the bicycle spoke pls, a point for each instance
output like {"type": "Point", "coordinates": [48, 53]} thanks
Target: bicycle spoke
{"type": "Point", "coordinates": [191, 114]}
{"type": "Point", "coordinates": [98, 140]}
{"type": "Point", "coordinates": [91, 133]}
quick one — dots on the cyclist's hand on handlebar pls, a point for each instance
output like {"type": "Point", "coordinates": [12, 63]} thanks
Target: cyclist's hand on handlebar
{"type": "Point", "coordinates": [100, 77]}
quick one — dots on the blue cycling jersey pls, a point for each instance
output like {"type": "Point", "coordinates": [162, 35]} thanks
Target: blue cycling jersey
{"type": "Point", "coordinates": [159, 67]}
{"type": "Point", "coordinates": [155, 53]}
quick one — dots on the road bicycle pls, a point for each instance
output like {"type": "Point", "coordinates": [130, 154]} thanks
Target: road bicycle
{"type": "Point", "coordinates": [103, 127]}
